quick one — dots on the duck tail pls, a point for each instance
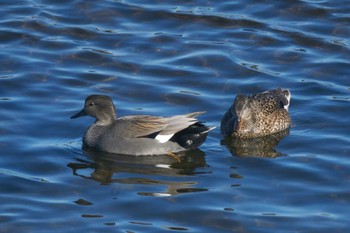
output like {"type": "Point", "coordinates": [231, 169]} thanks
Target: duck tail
{"type": "Point", "coordinates": [193, 136]}
{"type": "Point", "coordinates": [209, 128]}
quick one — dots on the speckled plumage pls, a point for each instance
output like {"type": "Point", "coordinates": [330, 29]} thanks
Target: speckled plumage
{"type": "Point", "coordinates": [257, 115]}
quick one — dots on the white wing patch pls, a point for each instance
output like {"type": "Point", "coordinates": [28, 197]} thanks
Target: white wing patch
{"type": "Point", "coordinates": [286, 106]}
{"type": "Point", "coordinates": [162, 138]}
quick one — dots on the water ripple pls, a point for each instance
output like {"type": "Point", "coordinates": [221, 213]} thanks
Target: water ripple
{"type": "Point", "coordinates": [167, 58]}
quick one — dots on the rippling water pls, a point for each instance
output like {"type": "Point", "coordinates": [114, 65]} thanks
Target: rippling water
{"type": "Point", "coordinates": [169, 58]}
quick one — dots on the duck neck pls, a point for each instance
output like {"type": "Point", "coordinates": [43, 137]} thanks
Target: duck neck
{"type": "Point", "coordinates": [92, 134]}
{"type": "Point", "coordinates": [104, 122]}
{"type": "Point", "coordinates": [106, 118]}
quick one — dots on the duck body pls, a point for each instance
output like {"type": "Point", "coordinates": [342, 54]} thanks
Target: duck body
{"type": "Point", "coordinates": [142, 134]}
{"type": "Point", "coordinates": [257, 115]}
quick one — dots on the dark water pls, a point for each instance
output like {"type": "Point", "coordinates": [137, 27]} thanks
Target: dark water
{"type": "Point", "coordinates": [160, 58]}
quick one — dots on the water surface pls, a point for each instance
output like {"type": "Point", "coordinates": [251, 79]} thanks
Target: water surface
{"type": "Point", "coordinates": [166, 58]}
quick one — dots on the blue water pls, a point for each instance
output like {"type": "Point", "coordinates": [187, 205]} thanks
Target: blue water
{"type": "Point", "coordinates": [165, 58]}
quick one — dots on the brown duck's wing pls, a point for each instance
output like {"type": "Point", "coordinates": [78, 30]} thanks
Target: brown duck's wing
{"type": "Point", "coordinates": [285, 96]}
{"type": "Point", "coordinates": [268, 102]}
{"type": "Point", "coordinates": [138, 126]}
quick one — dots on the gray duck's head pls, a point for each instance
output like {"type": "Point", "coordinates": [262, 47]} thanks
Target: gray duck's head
{"type": "Point", "coordinates": [100, 107]}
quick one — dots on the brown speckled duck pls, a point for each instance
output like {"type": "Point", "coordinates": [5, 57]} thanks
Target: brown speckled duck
{"type": "Point", "coordinates": [257, 115]}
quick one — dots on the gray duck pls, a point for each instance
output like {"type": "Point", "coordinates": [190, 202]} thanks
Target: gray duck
{"type": "Point", "coordinates": [140, 134]}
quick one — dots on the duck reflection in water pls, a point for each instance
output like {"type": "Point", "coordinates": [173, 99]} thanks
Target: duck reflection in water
{"type": "Point", "coordinates": [254, 124]}
{"type": "Point", "coordinates": [106, 167]}
{"type": "Point", "coordinates": [260, 146]}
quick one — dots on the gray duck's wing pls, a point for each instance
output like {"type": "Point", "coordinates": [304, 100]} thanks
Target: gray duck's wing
{"type": "Point", "coordinates": [163, 128]}
{"type": "Point", "coordinates": [138, 126]}
{"type": "Point", "coordinates": [176, 124]}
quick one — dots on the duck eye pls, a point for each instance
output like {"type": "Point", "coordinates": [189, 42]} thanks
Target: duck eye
{"type": "Point", "coordinates": [91, 104]}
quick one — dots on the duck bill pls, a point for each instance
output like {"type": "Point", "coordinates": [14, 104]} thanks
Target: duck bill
{"type": "Point", "coordinates": [79, 114]}
{"type": "Point", "coordinates": [237, 125]}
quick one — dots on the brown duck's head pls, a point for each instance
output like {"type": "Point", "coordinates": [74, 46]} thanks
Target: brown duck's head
{"type": "Point", "coordinates": [243, 113]}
